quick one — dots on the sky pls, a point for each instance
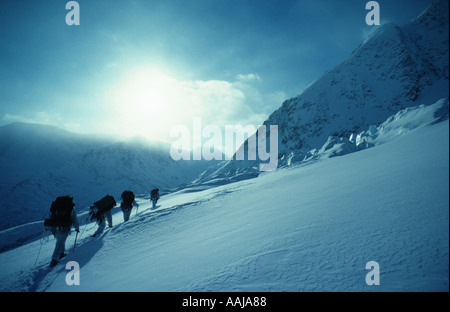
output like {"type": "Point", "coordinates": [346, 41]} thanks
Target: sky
{"type": "Point", "coordinates": [141, 67]}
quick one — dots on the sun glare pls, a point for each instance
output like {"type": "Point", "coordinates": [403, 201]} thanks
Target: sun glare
{"type": "Point", "coordinates": [144, 102]}
{"type": "Point", "coordinates": [151, 100]}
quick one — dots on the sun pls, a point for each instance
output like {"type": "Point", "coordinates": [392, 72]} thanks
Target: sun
{"type": "Point", "coordinates": [151, 100]}
{"type": "Point", "coordinates": [143, 101]}
{"type": "Point", "coordinates": [146, 89]}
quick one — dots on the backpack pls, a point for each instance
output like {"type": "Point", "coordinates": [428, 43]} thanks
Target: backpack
{"type": "Point", "coordinates": [60, 212]}
{"type": "Point", "coordinates": [106, 203]}
{"type": "Point", "coordinates": [154, 194]}
{"type": "Point", "coordinates": [128, 199]}
{"type": "Point", "coordinates": [100, 207]}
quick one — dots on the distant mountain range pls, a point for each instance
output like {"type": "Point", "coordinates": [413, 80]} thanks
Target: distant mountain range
{"type": "Point", "coordinates": [39, 163]}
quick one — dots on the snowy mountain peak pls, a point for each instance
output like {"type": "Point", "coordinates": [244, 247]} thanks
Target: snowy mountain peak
{"type": "Point", "coordinates": [430, 32]}
{"type": "Point", "coordinates": [396, 67]}
{"type": "Point", "coordinates": [435, 16]}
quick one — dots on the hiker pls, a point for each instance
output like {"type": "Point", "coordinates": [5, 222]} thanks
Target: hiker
{"type": "Point", "coordinates": [127, 204]}
{"type": "Point", "coordinates": [101, 211]}
{"type": "Point", "coordinates": [154, 196]}
{"type": "Point", "coordinates": [62, 217]}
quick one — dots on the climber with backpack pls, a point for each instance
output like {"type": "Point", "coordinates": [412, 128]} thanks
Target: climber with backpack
{"type": "Point", "coordinates": [128, 201]}
{"type": "Point", "coordinates": [62, 217]}
{"type": "Point", "coordinates": [154, 196]}
{"type": "Point", "coordinates": [101, 212]}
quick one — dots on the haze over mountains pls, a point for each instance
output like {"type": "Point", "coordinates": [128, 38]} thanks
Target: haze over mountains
{"type": "Point", "coordinates": [39, 163]}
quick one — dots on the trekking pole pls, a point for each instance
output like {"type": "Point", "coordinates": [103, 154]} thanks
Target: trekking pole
{"type": "Point", "coordinates": [86, 224]}
{"type": "Point", "coordinates": [38, 255]}
{"type": "Point", "coordinates": [75, 244]}
{"type": "Point", "coordinates": [40, 243]}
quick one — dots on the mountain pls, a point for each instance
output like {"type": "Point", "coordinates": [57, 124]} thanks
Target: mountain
{"type": "Point", "coordinates": [306, 227]}
{"type": "Point", "coordinates": [395, 68]}
{"type": "Point", "coordinates": [39, 163]}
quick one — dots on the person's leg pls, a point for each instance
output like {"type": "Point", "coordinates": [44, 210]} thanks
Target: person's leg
{"type": "Point", "coordinates": [109, 218]}
{"type": "Point", "coordinates": [101, 227]}
{"type": "Point", "coordinates": [126, 215]}
{"type": "Point", "coordinates": [60, 246]}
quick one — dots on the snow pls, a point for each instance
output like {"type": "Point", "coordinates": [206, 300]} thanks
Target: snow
{"type": "Point", "coordinates": [310, 227]}
{"type": "Point", "coordinates": [404, 121]}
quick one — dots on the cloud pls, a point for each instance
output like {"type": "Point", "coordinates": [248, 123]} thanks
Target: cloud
{"type": "Point", "coordinates": [38, 117]}
{"type": "Point", "coordinates": [43, 118]}
{"type": "Point", "coordinates": [151, 102]}
{"type": "Point", "coordinates": [248, 77]}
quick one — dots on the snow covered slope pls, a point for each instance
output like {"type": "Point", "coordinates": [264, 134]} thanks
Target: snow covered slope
{"type": "Point", "coordinates": [309, 227]}
{"type": "Point", "coordinates": [404, 121]}
{"type": "Point", "coordinates": [39, 163]}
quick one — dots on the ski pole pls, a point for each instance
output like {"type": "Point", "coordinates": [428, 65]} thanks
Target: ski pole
{"type": "Point", "coordinates": [86, 224]}
{"type": "Point", "coordinates": [41, 243]}
{"type": "Point", "coordinates": [75, 244]}
{"type": "Point", "coordinates": [38, 255]}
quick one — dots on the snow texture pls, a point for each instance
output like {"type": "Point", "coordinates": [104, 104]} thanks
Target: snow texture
{"type": "Point", "coordinates": [309, 227]}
